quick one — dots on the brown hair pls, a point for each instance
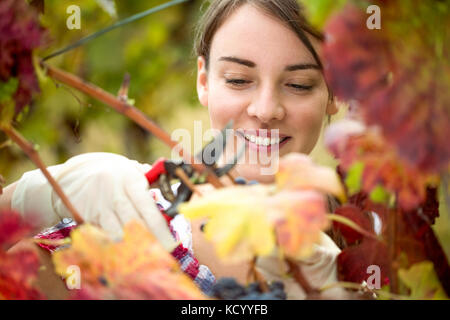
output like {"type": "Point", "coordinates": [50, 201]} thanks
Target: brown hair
{"type": "Point", "coordinates": [289, 12]}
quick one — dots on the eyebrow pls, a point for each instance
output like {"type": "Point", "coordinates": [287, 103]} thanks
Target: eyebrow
{"type": "Point", "coordinates": [251, 64]}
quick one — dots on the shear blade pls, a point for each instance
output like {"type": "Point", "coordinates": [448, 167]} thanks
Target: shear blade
{"type": "Point", "coordinates": [226, 168]}
{"type": "Point", "coordinates": [214, 149]}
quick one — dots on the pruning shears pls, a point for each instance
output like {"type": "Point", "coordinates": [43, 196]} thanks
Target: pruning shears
{"type": "Point", "coordinates": [164, 171]}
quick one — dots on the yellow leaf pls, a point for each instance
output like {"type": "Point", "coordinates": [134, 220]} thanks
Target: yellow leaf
{"type": "Point", "coordinates": [303, 218]}
{"type": "Point", "coordinates": [239, 224]}
{"type": "Point", "coordinates": [423, 282]}
{"type": "Point", "coordinates": [248, 221]}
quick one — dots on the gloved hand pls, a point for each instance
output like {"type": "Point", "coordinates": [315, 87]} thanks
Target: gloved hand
{"type": "Point", "coordinates": [108, 190]}
{"type": "Point", "coordinates": [319, 270]}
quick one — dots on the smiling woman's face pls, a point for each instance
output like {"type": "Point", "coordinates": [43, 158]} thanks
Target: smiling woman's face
{"type": "Point", "coordinates": [262, 76]}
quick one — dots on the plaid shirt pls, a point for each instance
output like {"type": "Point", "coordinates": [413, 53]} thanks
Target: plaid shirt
{"type": "Point", "coordinates": [180, 229]}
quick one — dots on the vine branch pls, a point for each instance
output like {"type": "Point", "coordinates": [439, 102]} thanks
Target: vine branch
{"type": "Point", "coordinates": [132, 113]}
{"type": "Point", "coordinates": [31, 152]}
{"type": "Point", "coordinates": [300, 278]}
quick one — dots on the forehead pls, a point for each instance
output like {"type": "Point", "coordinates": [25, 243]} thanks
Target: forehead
{"type": "Point", "coordinates": [252, 34]}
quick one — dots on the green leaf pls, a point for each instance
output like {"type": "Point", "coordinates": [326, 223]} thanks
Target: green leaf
{"type": "Point", "coordinates": [379, 194]}
{"type": "Point", "coordinates": [353, 179]}
{"type": "Point", "coordinates": [8, 88]}
{"type": "Point", "coordinates": [318, 11]}
{"type": "Point", "coordinates": [423, 282]}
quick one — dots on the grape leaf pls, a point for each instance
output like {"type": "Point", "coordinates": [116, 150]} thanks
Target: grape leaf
{"type": "Point", "coordinates": [247, 221]}
{"type": "Point", "coordinates": [353, 262]}
{"type": "Point", "coordinates": [239, 224]}
{"type": "Point", "coordinates": [303, 218]}
{"type": "Point", "coordinates": [298, 171]}
{"type": "Point", "coordinates": [18, 272]}
{"type": "Point", "coordinates": [126, 269]}
{"type": "Point", "coordinates": [20, 34]}
{"type": "Point", "coordinates": [415, 240]}
{"type": "Point", "coordinates": [159, 284]}
{"type": "Point", "coordinates": [12, 229]}
{"type": "Point", "coordinates": [357, 216]}
{"type": "Point", "coordinates": [422, 281]}
{"type": "Point", "coordinates": [382, 164]}
{"type": "Point", "coordinates": [398, 76]}
{"type": "Point", "coordinates": [18, 269]}
{"type": "Point", "coordinates": [353, 179]}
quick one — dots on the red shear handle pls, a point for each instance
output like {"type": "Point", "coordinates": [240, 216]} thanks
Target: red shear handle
{"type": "Point", "coordinates": [157, 169]}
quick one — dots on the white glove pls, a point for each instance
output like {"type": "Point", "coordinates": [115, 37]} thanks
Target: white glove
{"type": "Point", "coordinates": [107, 190]}
{"type": "Point", "coordinates": [319, 270]}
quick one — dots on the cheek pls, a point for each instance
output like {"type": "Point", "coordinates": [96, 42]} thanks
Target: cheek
{"type": "Point", "coordinates": [306, 118]}
{"type": "Point", "coordinates": [223, 106]}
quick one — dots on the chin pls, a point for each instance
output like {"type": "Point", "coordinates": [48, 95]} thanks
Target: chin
{"type": "Point", "coordinates": [256, 172]}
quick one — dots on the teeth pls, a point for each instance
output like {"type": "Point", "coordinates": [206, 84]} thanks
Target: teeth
{"type": "Point", "coordinates": [262, 141]}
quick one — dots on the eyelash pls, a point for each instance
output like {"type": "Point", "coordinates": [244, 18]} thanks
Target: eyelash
{"type": "Point", "coordinates": [237, 82]}
{"type": "Point", "coordinates": [240, 82]}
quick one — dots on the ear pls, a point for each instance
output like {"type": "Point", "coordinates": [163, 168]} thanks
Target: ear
{"type": "Point", "coordinates": [332, 107]}
{"type": "Point", "coordinates": [202, 81]}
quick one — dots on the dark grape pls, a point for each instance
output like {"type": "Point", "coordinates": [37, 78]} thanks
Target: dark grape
{"type": "Point", "coordinates": [230, 289]}
{"type": "Point", "coordinates": [227, 289]}
{"type": "Point", "coordinates": [253, 287]}
{"type": "Point", "coordinates": [276, 285]}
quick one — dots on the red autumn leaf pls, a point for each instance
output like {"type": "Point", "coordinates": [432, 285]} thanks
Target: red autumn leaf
{"type": "Point", "coordinates": [353, 261]}
{"type": "Point", "coordinates": [415, 239]}
{"type": "Point", "coordinates": [18, 269]}
{"type": "Point", "coordinates": [357, 216]}
{"type": "Point", "coordinates": [12, 229]}
{"type": "Point", "coordinates": [418, 240]}
{"type": "Point", "coordinates": [354, 67]}
{"type": "Point", "coordinates": [382, 165]}
{"type": "Point", "coordinates": [20, 34]}
{"type": "Point", "coordinates": [396, 75]}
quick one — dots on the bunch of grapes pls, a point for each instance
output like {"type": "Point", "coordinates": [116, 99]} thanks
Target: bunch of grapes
{"type": "Point", "coordinates": [20, 33]}
{"type": "Point", "coordinates": [229, 289]}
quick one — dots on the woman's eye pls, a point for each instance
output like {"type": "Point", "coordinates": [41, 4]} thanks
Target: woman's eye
{"type": "Point", "coordinates": [237, 82]}
{"type": "Point", "coordinates": [299, 87]}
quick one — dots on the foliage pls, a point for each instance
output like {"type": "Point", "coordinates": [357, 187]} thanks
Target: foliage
{"type": "Point", "coordinates": [20, 33]}
{"type": "Point", "coordinates": [248, 221]}
{"type": "Point", "coordinates": [397, 75]}
{"type": "Point", "coordinates": [18, 269]}
{"type": "Point", "coordinates": [155, 51]}
{"type": "Point", "coordinates": [392, 149]}
{"type": "Point", "coordinates": [422, 281]}
{"type": "Point", "coordinates": [136, 267]}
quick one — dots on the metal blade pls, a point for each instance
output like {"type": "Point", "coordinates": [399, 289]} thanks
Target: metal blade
{"type": "Point", "coordinates": [226, 168]}
{"type": "Point", "coordinates": [215, 148]}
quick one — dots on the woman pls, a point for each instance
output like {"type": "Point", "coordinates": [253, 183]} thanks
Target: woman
{"type": "Point", "coordinates": [258, 65]}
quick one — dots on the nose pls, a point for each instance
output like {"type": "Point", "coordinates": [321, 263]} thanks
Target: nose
{"type": "Point", "coordinates": [266, 105]}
